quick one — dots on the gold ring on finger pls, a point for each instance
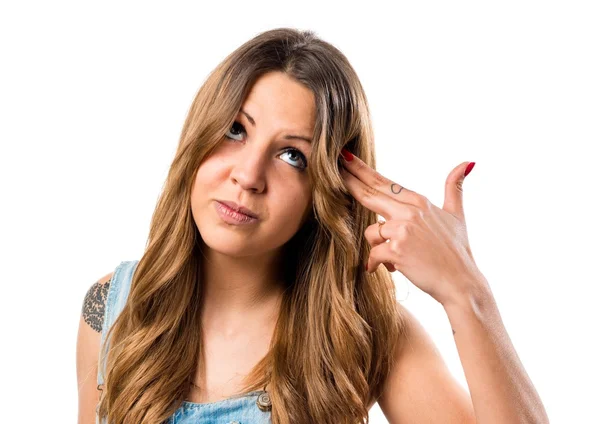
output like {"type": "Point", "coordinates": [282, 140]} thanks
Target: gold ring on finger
{"type": "Point", "coordinates": [381, 222]}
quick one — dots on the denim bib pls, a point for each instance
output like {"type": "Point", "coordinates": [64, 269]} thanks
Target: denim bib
{"type": "Point", "coordinates": [240, 409]}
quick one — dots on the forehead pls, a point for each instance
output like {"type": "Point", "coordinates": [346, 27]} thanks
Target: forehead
{"type": "Point", "coordinates": [279, 101]}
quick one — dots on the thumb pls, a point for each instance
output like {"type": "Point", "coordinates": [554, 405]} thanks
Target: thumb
{"type": "Point", "coordinates": [453, 200]}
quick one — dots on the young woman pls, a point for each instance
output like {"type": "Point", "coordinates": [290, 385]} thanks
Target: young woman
{"type": "Point", "coordinates": [251, 302]}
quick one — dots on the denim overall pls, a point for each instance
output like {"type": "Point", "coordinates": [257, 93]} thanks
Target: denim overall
{"type": "Point", "coordinates": [240, 409]}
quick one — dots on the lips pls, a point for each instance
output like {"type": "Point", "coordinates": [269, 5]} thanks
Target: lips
{"type": "Point", "coordinates": [239, 208]}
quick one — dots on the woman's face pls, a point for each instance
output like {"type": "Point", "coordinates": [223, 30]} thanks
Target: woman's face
{"type": "Point", "coordinates": [257, 167]}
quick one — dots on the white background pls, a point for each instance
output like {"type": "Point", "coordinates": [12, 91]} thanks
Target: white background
{"type": "Point", "coordinates": [93, 97]}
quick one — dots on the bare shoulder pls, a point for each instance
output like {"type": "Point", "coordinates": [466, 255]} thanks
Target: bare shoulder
{"type": "Point", "coordinates": [94, 303]}
{"type": "Point", "coordinates": [420, 387]}
{"type": "Point", "coordinates": [88, 348]}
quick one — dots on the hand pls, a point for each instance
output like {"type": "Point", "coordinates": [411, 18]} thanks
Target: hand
{"type": "Point", "coordinates": [426, 244]}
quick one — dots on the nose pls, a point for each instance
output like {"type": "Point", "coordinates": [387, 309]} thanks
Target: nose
{"type": "Point", "coordinates": [248, 168]}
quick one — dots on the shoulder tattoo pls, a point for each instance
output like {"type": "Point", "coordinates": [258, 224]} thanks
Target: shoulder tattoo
{"type": "Point", "coordinates": [94, 305]}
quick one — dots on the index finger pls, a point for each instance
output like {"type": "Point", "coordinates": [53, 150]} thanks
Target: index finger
{"type": "Point", "coordinates": [375, 180]}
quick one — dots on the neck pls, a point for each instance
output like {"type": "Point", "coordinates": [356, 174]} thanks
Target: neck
{"type": "Point", "coordinates": [238, 292]}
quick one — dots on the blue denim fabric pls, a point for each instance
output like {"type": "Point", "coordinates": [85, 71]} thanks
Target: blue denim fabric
{"type": "Point", "coordinates": [240, 409]}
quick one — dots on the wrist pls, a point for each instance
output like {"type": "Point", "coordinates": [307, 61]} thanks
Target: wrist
{"type": "Point", "coordinates": [476, 295]}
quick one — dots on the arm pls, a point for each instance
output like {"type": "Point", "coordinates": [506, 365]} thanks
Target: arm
{"type": "Point", "coordinates": [420, 388]}
{"type": "Point", "coordinates": [500, 388]}
{"type": "Point", "coordinates": [88, 349]}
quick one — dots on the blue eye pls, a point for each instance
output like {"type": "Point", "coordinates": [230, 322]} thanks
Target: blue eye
{"type": "Point", "coordinates": [296, 154]}
{"type": "Point", "coordinates": [299, 156]}
{"type": "Point", "coordinates": [234, 124]}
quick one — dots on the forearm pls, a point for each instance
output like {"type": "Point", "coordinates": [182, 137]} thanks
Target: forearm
{"type": "Point", "coordinates": [500, 388]}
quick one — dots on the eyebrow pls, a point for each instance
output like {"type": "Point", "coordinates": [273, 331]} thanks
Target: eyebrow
{"type": "Point", "coordinates": [287, 137]}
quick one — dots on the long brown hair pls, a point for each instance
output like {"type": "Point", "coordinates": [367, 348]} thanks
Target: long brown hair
{"type": "Point", "coordinates": [337, 327]}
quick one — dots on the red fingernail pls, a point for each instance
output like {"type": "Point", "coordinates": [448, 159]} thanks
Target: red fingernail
{"type": "Point", "coordinates": [469, 168]}
{"type": "Point", "coordinates": [347, 155]}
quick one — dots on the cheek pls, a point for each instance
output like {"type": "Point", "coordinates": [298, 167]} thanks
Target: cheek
{"type": "Point", "coordinates": [208, 174]}
{"type": "Point", "coordinates": [292, 203]}
{"type": "Point", "coordinates": [205, 183]}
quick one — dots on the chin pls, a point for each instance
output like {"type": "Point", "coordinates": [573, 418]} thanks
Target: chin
{"type": "Point", "coordinates": [235, 245]}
